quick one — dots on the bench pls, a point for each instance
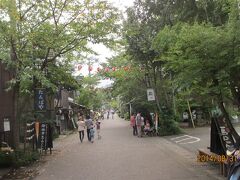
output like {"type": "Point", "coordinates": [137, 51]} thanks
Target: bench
{"type": "Point", "coordinates": [205, 155]}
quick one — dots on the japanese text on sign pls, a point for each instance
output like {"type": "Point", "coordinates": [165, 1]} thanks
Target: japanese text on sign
{"type": "Point", "coordinates": [40, 102]}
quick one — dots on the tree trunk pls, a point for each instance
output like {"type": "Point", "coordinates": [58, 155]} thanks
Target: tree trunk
{"type": "Point", "coordinates": [15, 122]}
{"type": "Point", "coordinates": [156, 91]}
{"type": "Point", "coordinates": [12, 11]}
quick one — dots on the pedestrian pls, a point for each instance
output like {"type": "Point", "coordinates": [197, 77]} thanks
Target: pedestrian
{"type": "Point", "coordinates": [92, 131]}
{"type": "Point", "coordinates": [81, 127]}
{"type": "Point", "coordinates": [133, 124]}
{"type": "Point", "coordinates": [142, 124]}
{"type": "Point", "coordinates": [102, 115]}
{"type": "Point", "coordinates": [108, 113]}
{"type": "Point", "coordinates": [88, 123]}
{"type": "Point", "coordinates": [98, 125]}
{"type": "Point", "coordinates": [113, 112]}
{"type": "Point", "coordinates": [139, 124]}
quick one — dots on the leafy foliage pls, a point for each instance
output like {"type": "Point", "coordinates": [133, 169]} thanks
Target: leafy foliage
{"type": "Point", "coordinates": [91, 96]}
{"type": "Point", "coordinates": [44, 35]}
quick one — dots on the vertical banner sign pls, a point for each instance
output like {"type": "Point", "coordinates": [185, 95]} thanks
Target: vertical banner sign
{"type": "Point", "coordinates": [43, 137]}
{"type": "Point", "coordinates": [40, 99]}
{"type": "Point", "coordinates": [37, 126]}
{"type": "Point", "coordinates": [150, 94]}
{"type": "Point", "coordinates": [224, 133]}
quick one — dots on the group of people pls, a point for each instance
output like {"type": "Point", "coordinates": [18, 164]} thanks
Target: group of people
{"type": "Point", "coordinates": [110, 112]}
{"type": "Point", "coordinates": [89, 125]}
{"type": "Point", "coordinates": [139, 125]}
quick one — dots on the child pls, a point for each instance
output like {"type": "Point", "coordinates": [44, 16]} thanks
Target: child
{"type": "Point", "coordinates": [98, 128]}
{"type": "Point", "coordinates": [92, 133]}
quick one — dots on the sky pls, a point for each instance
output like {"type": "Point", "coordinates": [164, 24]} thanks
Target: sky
{"type": "Point", "coordinates": [102, 51]}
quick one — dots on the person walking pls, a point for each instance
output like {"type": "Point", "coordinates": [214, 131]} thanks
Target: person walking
{"type": "Point", "coordinates": [112, 112]}
{"type": "Point", "coordinates": [91, 133]}
{"type": "Point", "coordinates": [142, 124]}
{"type": "Point", "coordinates": [139, 124]}
{"type": "Point", "coordinates": [81, 127]}
{"type": "Point", "coordinates": [98, 125]}
{"type": "Point", "coordinates": [133, 124]}
{"type": "Point", "coordinates": [88, 123]}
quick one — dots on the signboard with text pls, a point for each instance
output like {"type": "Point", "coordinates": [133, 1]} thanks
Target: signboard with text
{"type": "Point", "coordinates": [6, 124]}
{"type": "Point", "coordinates": [150, 95]}
{"type": "Point", "coordinates": [40, 100]}
{"type": "Point", "coordinates": [221, 136]}
{"type": "Point", "coordinates": [43, 136]}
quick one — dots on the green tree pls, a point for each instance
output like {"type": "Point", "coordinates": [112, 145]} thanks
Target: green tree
{"type": "Point", "coordinates": [90, 95]}
{"type": "Point", "coordinates": [43, 35]}
{"type": "Point", "coordinates": [204, 59]}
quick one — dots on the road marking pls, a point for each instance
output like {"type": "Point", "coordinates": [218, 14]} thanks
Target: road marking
{"type": "Point", "coordinates": [185, 139]}
{"type": "Point", "coordinates": [197, 139]}
{"type": "Point", "coordinates": [179, 137]}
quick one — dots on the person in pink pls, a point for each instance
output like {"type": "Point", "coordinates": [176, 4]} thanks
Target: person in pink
{"type": "Point", "coordinates": [133, 124]}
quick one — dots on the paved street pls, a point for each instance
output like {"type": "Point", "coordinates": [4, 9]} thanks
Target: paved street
{"type": "Point", "coordinates": [120, 156]}
{"type": "Point", "coordinates": [193, 139]}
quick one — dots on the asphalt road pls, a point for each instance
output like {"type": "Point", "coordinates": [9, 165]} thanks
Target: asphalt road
{"type": "Point", "coordinates": [121, 156]}
{"type": "Point", "coordinates": [195, 138]}
{"type": "Point", "coordinates": [192, 139]}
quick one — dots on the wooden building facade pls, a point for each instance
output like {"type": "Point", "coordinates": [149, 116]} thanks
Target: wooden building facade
{"type": "Point", "coordinates": [6, 107]}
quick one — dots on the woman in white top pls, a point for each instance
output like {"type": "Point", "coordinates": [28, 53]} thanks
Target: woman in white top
{"type": "Point", "coordinates": [81, 127]}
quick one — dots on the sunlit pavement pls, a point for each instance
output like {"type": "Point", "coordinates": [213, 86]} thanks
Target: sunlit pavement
{"type": "Point", "coordinates": [121, 156]}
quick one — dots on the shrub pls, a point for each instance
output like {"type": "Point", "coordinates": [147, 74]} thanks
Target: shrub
{"type": "Point", "coordinates": [17, 158]}
{"type": "Point", "coordinates": [168, 124]}
{"type": "Point", "coordinates": [169, 127]}
{"type": "Point", "coordinates": [126, 116]}
{"type": "Point", "coordinates": [21, 158]}
{"type": "Point", "coordinates": [5, 159]}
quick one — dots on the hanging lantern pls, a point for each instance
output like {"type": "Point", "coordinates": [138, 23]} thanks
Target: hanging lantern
{"type": "Point", "coordinates": [98, 69]}
{"type": "Point", "coordinates": [106, 69]}
{"type": "Point", "coordinates": [79, 67]}
{"type": "Point", "coordinates": [90, 68]}
{"type": "Point", "coordinates": [114, 68]}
